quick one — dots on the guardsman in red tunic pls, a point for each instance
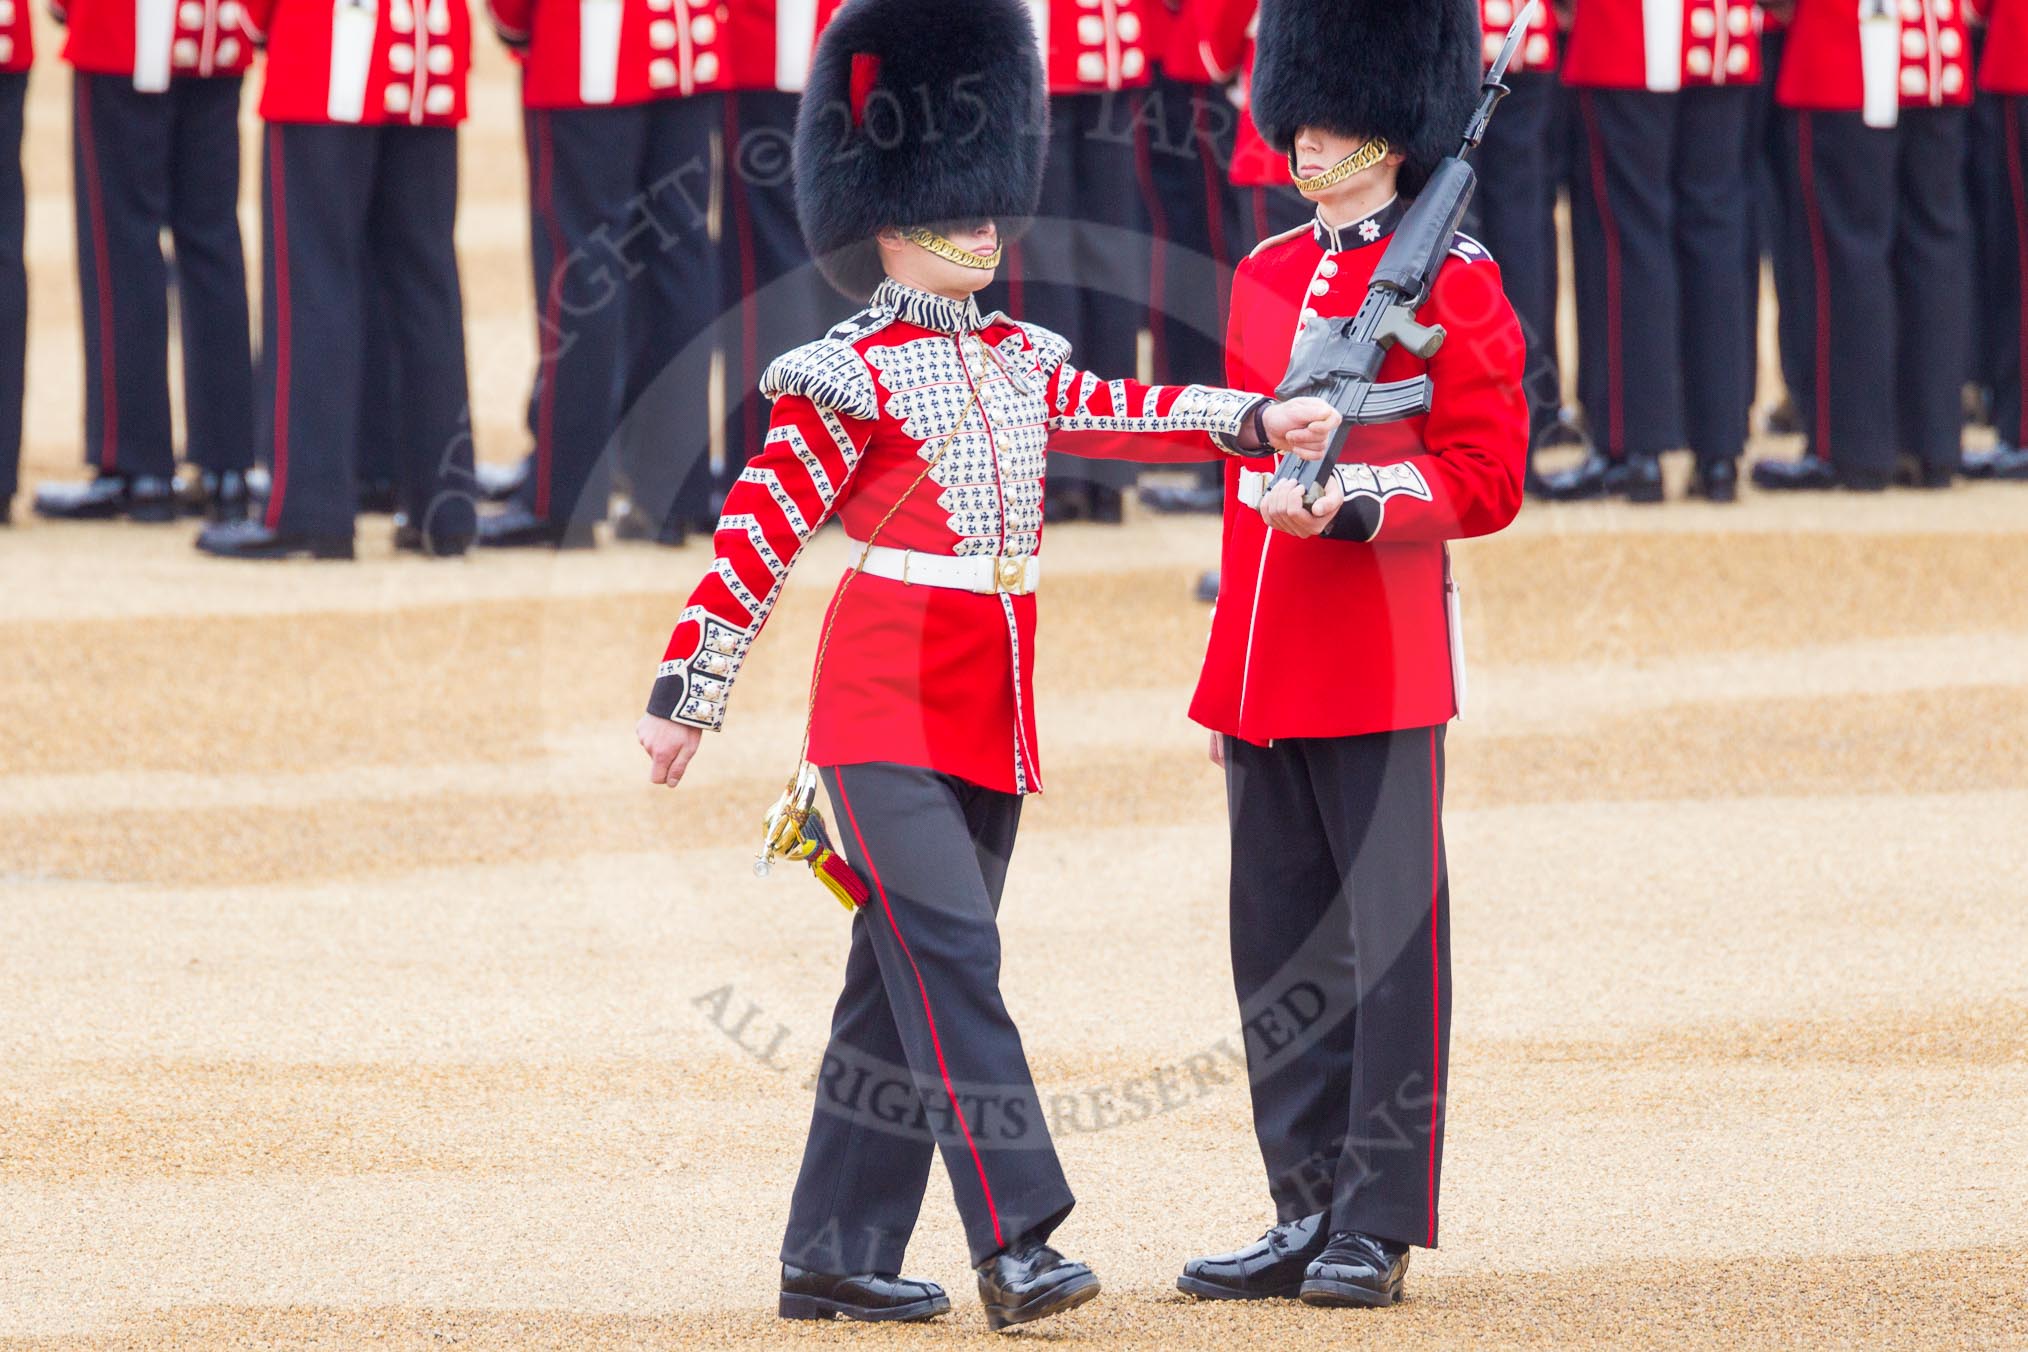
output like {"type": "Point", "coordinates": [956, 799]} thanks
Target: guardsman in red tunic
{"type": "Point", "coordinates": [921, 425]}
{"type": "Point", "coordinates": [1664, 96]}
{"type": "Point", "coordinates": [1332, 733]}
{"type": "Point", "coordinates": [156, 106]}
{"type": "Point", "coordinates": [1874, 97]}
{"type": "Point", "coordinates": [1514, 211]}
{"type": "Point", "coordinates": [1186, 155]}
{"type": "Point", "coordinates": [2003, 73]}
{"type": "Point", "coordinates": [1083, 269]}
{"type": "Point", "coordinates": [362, 100]}
{"type": "Point", "coordinates": [17, 53]}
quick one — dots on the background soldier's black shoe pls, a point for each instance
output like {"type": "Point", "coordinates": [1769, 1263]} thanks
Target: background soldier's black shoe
{"type": "Point", "coordinates": [518, 528]}
{"type": "Point", "coordinates": [1809, 473]}
{"type": "Point", "coordinates": [1184, 499]}
{"type": "Point", "coordinates": [1566, 430]}
{"type": "Point", "coordinates": [2001, 462]}
{"type": "Point", "coordinates": [139, 498]}
{"type": "Point", "coordinates": [1030, 1281]}
{"type": "Point", "coordinates": [252, 540]}
{"type": "Point", "coordinates": [497, 483]}
{"type": "Point", "coordinates": [634, 524]}
{"type": "Point", "coordinates": [1782, 420]}
{"type": "Point", "coordinates": [871, 1297]}
{"type": "Point", "coordinates": [410, 539]}
{"type": "Point", "coordinates": [378, 497]}
{"type": "Point", "coordinates": [1638, 478]}
{"type": "Point", "coordinates": [1715, 481]}
{"type": "Point", "coordinates": [216, 495]}
{"type": "Point", "coordinates": [1913, 473]}
{"type": "Point", "coordinates": [1356, 1269]}
{"type": "Point", "coordinates": [1272, 1266]}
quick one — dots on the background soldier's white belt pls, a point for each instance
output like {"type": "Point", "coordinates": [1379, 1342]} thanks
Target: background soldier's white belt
{"type": "Point", "coordinates": [983, 573]}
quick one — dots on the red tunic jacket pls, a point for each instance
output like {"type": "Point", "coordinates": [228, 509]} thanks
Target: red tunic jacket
{"type": "Point", "coordinates": [1200, 41]}
{"type": "Point", "coordinates": [1663, 45]}
{"type": "Point", "coordinates": [371, 62]}
{"type": "Point", "coordinates": [156, 40]}
{"type": "Point", "coordinates": [17, 37]}
{"type": "Point", "coordinates": [1092, 46]}
{"type": "Point", "coordinates": [2004, 67]}
{"type": "Point", "coordinates": [1383, 660]}
{"type": "Point", "coordinates": [916, 675]}
{"type": "Point", "coordinates": [594, 53]}
{"type": "Point", "coordinates": [1914, 55]}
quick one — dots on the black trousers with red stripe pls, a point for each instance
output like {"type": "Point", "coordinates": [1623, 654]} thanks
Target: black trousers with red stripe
{"type": "Point", "coordinates": [1341, 960]}
{"type": "Point", "coordinates": [1660, 231]}
{"type": "Point", "coordinates": [1514, 215]}
{"type": "Point", "coordinates": [348, 209]}
{"type": "Point", "coordinates": [627, 295]}
{"type": "Point", "coordinates": [2003, 282]}
{"type": "Point", "coordinates": [923, 1057]}
{"type": "Point", "coordinates": [13, 283]}
{"type": "Point", "coordinates": [143, 164]}
{"type": "Point", "coordinates": [1883, 225]}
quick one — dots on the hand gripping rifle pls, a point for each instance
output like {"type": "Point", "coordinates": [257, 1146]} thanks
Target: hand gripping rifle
{"type": "Point", "coordinates": [1338, 359]}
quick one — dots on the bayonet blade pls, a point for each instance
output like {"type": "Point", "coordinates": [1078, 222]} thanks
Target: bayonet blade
{"type": "Point", "coordinates": [1518, 31]}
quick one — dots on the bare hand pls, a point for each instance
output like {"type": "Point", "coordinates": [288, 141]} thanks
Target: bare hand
{"type": "Point", "coordinates": [1218, 749]}
{"type": "Point", "coordinates": [669, 745]}
{"type": "Point", "coordinates": [1301, 425]}
{"type": "Point", "coordinates": [1283, 510]}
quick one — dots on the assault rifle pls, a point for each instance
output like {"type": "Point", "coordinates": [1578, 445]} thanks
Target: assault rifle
{"type": "Point", "coordinates": [1339, 359]}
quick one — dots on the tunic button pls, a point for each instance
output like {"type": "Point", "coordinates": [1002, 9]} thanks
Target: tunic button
{"type": "Point", "coordinates": [1308, 314]}
{"type": "Point", "coordinates": [1320, 287]}
{"type": "Point", "coordinates": [1329, 267]}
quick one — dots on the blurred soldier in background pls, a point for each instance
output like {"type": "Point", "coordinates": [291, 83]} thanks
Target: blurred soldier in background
{"type": "Point", "coordinates": [1664, 91]}
{"type": "Point", "coordinates": [1874, 104]}
{"type": "Point", "coordinates": [2003, 73]}
{"type": "Point", "coordinates": [156, 122]}
{"type": "Point", "coordinates": [1077, 273]}
{"type": "Point", "coordinates": [17, 52]}
{"type": "Point", "coordinates": [360, 162]}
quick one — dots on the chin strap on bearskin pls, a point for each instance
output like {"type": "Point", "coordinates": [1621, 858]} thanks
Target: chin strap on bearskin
{"type": "Point", "coordinates": [1360, 160]}
{"type": "Point", "coordinates": [956, 253]}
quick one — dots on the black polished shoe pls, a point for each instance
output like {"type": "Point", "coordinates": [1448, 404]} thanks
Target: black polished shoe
{"type": "Point", "coordinates": [1030, 1281]}
{"type": "Point", "coordinates": [141, 497]}
{"type": "Point", "coordinates": [518, 528]}
{"type": "Point", "coordinates": [1716, 481]}
{"type": "Point", "coordinates": [252, 540]}
{"type": "Point", "coordinates": [1782, 420]}
{"type": "Point", "coordinates": [1638, 478]}
{"type": "Point", "coordinates": [1913, 473]}
{"type": "Point", "coordinates": [378, 497]}
{"type": "Point", "coordinates": [870, 1297]}
{"type": "Point", "coordinates": [2001, 462]}
{"type": "Point", "coordinates": [1271, 1267]}
{"type": "Point", "coordinates": [1356, 1269]}
{"type": "Point", "coordinates": [409, 538]}
{"type": "Point", "coordinates": [1810, 473]}
{"type": "Point", "coordinates": [634, 524]}
{"type": "Point", "coordinates": [1566, 430]}
{"type": "Point", "coordinates": [498, 483]}
{"type": "Point", "coordinates": [1184, 500]}
{"type": "Point", "coordinates": [217, 495]}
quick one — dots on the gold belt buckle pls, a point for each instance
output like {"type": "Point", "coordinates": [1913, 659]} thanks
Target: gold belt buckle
{"type": "Point", "coordinates": [1011, 576]}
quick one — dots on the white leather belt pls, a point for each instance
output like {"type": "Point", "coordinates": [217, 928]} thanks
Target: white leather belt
{"type": "Point", "coordinates": [1253, 487]}
{"type": "Point", "coordinates": [983, 573]}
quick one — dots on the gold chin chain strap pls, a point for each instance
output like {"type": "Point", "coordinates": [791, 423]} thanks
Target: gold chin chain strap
{"type": "Point", "coordinates": [794, 828]}
{"type": "Point", "coordinates": [1373, 152]}
{"type": "Point", "coordinates": [956, 253]}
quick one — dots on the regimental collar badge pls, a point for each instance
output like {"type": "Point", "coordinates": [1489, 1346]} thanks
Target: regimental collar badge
{"type": "Point", "coordinates": [1368, 230]}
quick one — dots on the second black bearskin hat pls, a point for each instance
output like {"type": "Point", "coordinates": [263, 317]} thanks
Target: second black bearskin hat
{"type": "Point", "coordinates": [917, 112]}
{"type": "Point", "coordinates": [1403, 70]}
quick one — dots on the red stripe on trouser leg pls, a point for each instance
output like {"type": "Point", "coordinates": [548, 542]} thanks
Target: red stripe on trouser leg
{"type": "Point", "coordinates": [2011, 110]}
{"type": "Point", "coordinates": [1616, 439]}
{"type": "Point", "coordinates": [929, 1016]}
{"type": "Point", "coordinates": [278, 207]}
{"type": "Point", "coordinates": [1820, 274]}
{"type": "Point", "coordinates": [1436, 1002]}
{"type": "Point", "coordinates": [109, 383]}
{"type": "Point", "coordinates": [552, 303]}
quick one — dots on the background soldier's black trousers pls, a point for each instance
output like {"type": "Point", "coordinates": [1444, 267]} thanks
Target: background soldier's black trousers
{"type": "Point", "coordinates": [1885, 287]}
{"type": "Point", "coordinates": [1341, 959]}
{"type": "Point", "coordinates": [1660, 226]}
{"type": "Point", "coordinates": [923, 1055]}
{"type": "Point", "coordinates": [13, 282]}
{"type": "Point", "coordinates": [2004, 280]}
{"type": "Point", "coordinates": [345, 204]}
{"type": "Point", "coordinates": [620, 199]}
{"type": "Point", "coordinates": [145, 163]}
{"type": "Point", "coordinates": [1514, 215]}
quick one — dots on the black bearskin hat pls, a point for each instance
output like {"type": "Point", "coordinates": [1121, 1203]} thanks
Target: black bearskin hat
{"type": "Point", "coordinates": [1403, 70]}
{"type": "Point", "coordinates": [918, 112]}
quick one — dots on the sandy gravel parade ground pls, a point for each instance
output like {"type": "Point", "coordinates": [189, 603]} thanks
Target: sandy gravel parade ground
{"type": "Point", "coordinates": [355, 990]}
